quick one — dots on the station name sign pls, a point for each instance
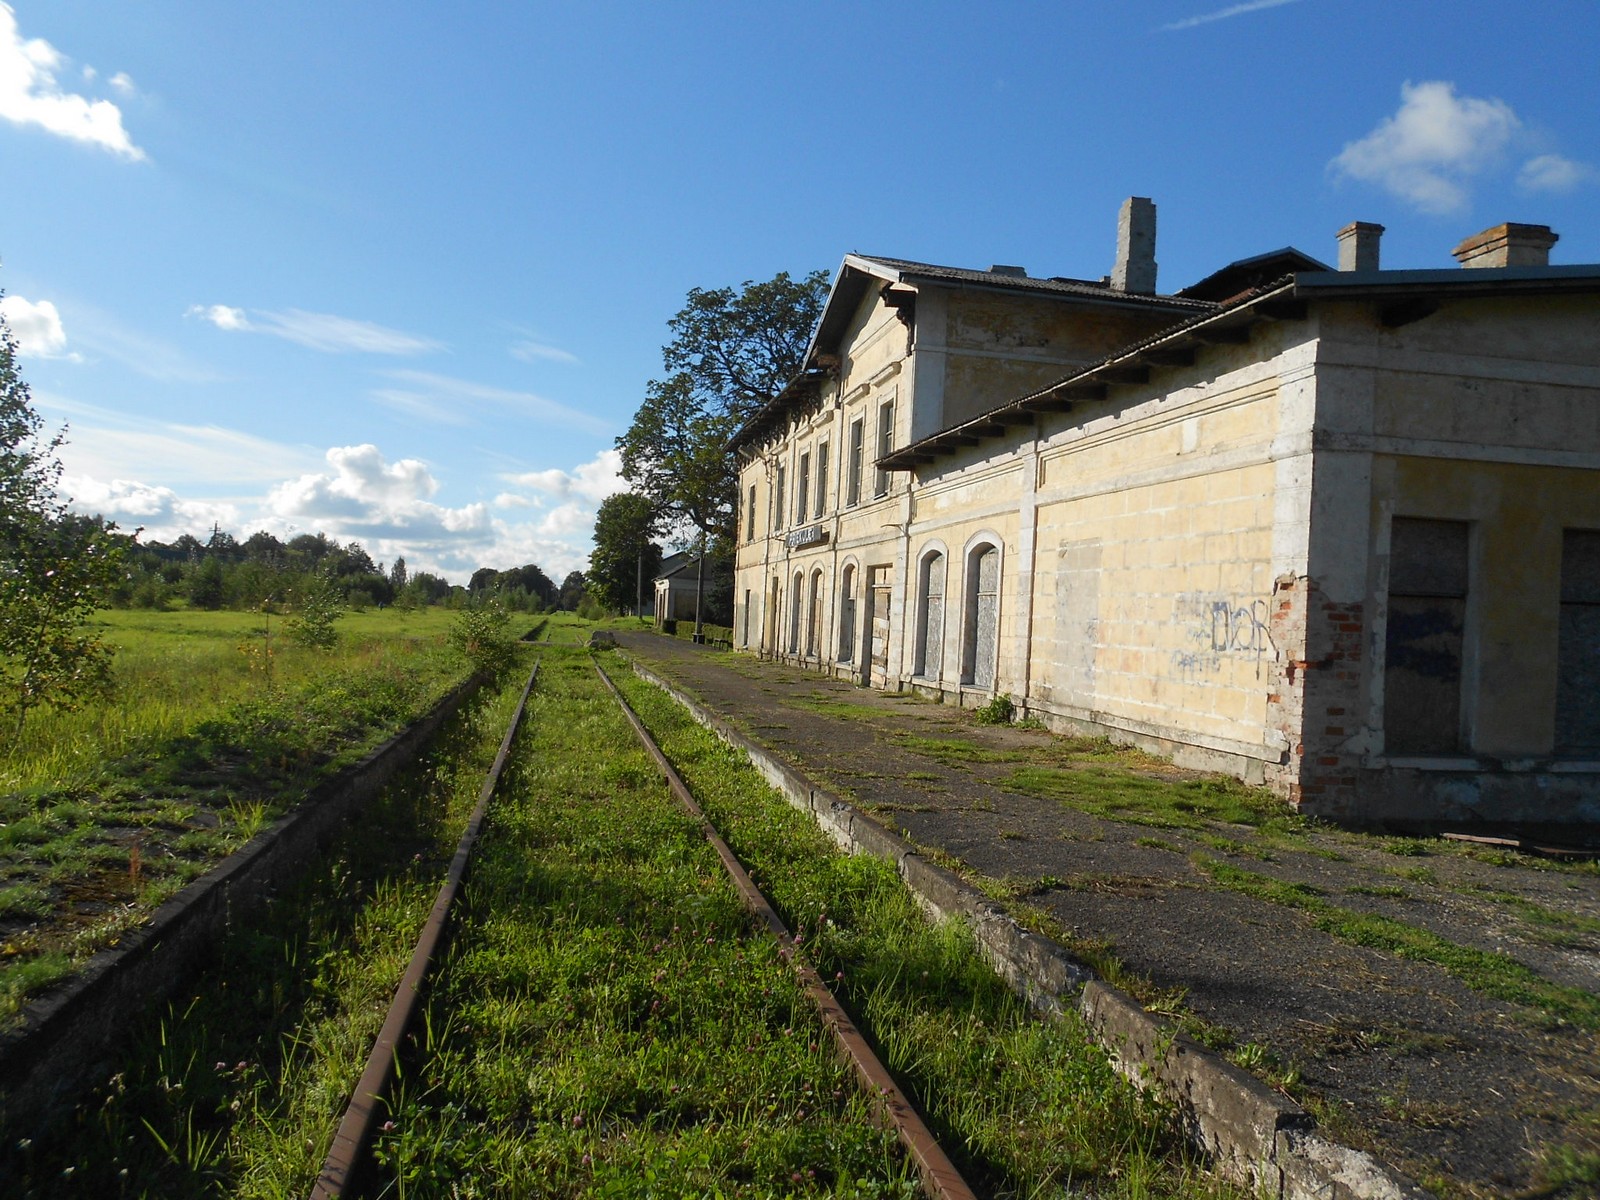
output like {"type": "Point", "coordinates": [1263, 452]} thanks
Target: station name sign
{"type": "Point", "coordinates": [809, 536]}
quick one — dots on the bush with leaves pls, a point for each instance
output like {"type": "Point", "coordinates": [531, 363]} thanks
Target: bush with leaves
{"type": "Point", "coordinates": [481, 633]}
{"type": "Point", "coordinates": [316, 608]}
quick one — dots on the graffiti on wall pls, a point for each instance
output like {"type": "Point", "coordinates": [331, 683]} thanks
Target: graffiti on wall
{"type": "Point", "coordinates": [1218, 627]}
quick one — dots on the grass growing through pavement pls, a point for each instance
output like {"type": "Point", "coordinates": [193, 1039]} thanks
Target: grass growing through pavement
{"type": "Point", "coordinates": [609, 1024]}
{"type": "Point", "coordinates": [236, 1090]}
{"type": "Point", "coordinates": [1028, 1108]}
{"type": "Point", "coordinates": [1496, 975]}
{"type": "Point", "coordinates": [106, 812]}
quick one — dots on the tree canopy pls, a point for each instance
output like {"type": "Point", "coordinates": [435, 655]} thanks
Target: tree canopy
{"type": "Point", "coordinates": [55, 568]}
{"type": "Point", "coordinates": [623, 550]}
{"type": "Point", "coordinates": [731, 352]}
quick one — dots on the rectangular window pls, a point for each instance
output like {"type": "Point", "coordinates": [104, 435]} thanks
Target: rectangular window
{"type": "Point", "coordinates": [777, 500]}
{"type": "Point", "coordinates": [802, 489]}
{"type": "Point", "coordinates": [750, 516]}
{"type": "Point", "coordinates": [880, 486]}
{"type": "Point", "coordinates": [853, 490]}
{"type": "Point", "coordinates": [822, 478]}
{"type": "Point", "coordinates": [1578, 651]}
{"type": "Point", "coordinates": [1423, 646]}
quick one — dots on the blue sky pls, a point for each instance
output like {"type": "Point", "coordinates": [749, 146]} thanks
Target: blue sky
{"type": "Point", "coordinates": [399, 271]}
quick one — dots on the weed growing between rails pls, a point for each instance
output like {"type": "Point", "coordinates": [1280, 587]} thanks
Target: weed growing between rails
{"type": "Point", "coordinates": [88, 853]}
{"type": "Point", "coordinates": [238, 1089]}
{"type": "Point", "coordinates": [1027, 1108]}
{"type": "Point", "coordinates": [608, 1023]}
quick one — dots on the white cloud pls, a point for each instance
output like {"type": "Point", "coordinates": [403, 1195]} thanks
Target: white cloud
{"type": "Point", "coordinates": [109, 445]}
{"type": "Point", "coordinates": [123, 82]}
{"type": "Point", "coordinates": [1432, 146]}
{"type": "Point", "coordinates": [594, 480]}
{"type": "Point", "coordinates": [162, 513]}
{"type": "Point", "coordinates": [244, 484]}
{"type": "Point", "coordinates": [455, 401]}
{"type": "Point", "coordinates": [529, 350]}
{"type": "Point", "coordinates": [220, 315]}
{"type": "Point", "coordinates": [317, 331]}
{"type": "Point", "coordinates": [366, 497]}
{"type": "Point", "coordinates": [31, 95]}
{"type": "Point", "coordinates": [1553, 173]}
{"type": "Point", "coordinates": [36, 326]}
{"type": "Point", "coordinates": [1222, 14]}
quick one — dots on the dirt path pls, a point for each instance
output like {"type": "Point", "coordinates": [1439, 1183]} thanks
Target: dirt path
{"type": "Point", "coordinates": [1375, 977]}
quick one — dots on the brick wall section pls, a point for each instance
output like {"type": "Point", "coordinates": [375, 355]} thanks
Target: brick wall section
{"type": "Point", "coordinates": [1315, 696]}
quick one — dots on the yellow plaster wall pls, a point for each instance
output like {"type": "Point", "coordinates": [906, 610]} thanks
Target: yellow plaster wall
{"type": "Point", "coordinates": [1000, 347]}
{"type": "Point", "coordinates": [1154, 572]}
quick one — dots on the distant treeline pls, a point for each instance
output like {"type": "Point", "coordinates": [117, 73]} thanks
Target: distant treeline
{"type": "Point", "coordinates": [262, 571]}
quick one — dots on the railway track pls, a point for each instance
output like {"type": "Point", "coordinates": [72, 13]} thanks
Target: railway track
{"type": "Point", "coordinates": [614, 986]}
{"type": "Point", "coordinates": [348, 1169]}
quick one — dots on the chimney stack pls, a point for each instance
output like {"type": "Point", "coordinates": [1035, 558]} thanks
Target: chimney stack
{"type": "Point", "coordinates": [1508, 245]}
{"type": "Point", "coordinates": [1136, 247]}
{"type": "Point", "coordinates": [1358, 246]}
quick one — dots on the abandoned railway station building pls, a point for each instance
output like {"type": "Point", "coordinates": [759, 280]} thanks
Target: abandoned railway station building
{"type": "Point", "coordinates": [1332, 531]}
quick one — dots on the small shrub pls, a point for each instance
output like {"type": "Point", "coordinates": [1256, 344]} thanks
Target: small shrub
{"type": "Point", "coordinates": [999, 711]}
{"type": "Point", "coordinates": [316, 609]}
{"type": "Point", "coordinates": [479, 632]}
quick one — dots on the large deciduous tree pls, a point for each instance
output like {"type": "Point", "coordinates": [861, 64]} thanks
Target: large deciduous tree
{"type": "Point", "coordinates": [731, 352]}
{"type": "Point", "coordinates": [55, 568]}
{"type": "Point", "coordinates": [624, 556]}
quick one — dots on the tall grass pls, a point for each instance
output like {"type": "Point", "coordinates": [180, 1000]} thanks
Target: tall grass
{"type": "Point", "coordinates": [236, 1089]}
{"type": "Point", "coordinates": [213, 731]}
{"type": "Point", "coordinates": [172, 670]}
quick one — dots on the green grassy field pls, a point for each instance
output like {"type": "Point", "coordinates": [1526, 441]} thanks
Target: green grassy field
{"type": "Point", "coordinates": [216, 725]}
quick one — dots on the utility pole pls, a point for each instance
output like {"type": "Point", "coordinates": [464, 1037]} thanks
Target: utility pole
{"type": "Point", "coordinates": [699, 590]}
{"type": "Point", "coordinates": [638, 584]}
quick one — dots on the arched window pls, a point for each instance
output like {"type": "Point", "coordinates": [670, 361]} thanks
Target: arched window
{"type": "Point", "coordinates": [847, 614]}
{"type": "Point", "coordinates": [982, 616]}
{"type": "Point", "coordinates": [794, 612]}
{"type": "Point", "coordinates": [929, 659]}
{"type": "Point", "coordinates": [814, 614]}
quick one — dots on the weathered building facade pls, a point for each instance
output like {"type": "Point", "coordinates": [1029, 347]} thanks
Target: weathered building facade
{"type": "Point", "coordinates": [1336, 532]}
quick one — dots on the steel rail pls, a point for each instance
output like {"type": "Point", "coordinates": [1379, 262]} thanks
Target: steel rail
{"type": "Point", "coordinates": [348, 1156]}
{"type": "Point", "coordinates": [940, 1179]}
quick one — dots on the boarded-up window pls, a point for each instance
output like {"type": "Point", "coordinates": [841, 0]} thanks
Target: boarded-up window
{"type": "Point", "coordinates": [777, 500]}
{"type": "Point", "coordinates": [769, 624]}
{"type": "Point", "coordinates": [1423, 647]}
{"type": "Point", "coordinates": [802, 496]}
{"type": "Point", "coordinates": [814, 614]}
{"type": "Point", "coordinates": [744, 619]}
{"type": "Point", "coordinates": [1578, 656]}
{"type": "Point", "coordinates": [847, 615]}
{"type": "Point", "coordinates": [880, 483]}
{"type": "Point", "coordinates": [857, 456]}
{"type": "Point", "coordinates": [750, 518]}
{"type": "Point", "coordinates": [983, 616]}
{"type": "Point", "coordinates": [822, 478]}
{"type": "Point", "coordinates": [1077, 638]}
{"type": "Point", "coordinates": [794, 614]}
{"type": "Point", "coordinates": [930, 617]}
{"type": "Point", "coordinates": [882, 585]}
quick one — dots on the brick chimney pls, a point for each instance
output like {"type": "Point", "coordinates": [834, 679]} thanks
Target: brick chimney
{"type": "Point", "coordinates": [1136, 247]}
{"type": "Point", "coordinates": [1508, 245]}
{"type": "Point", "coordinates": [1358, 246]}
